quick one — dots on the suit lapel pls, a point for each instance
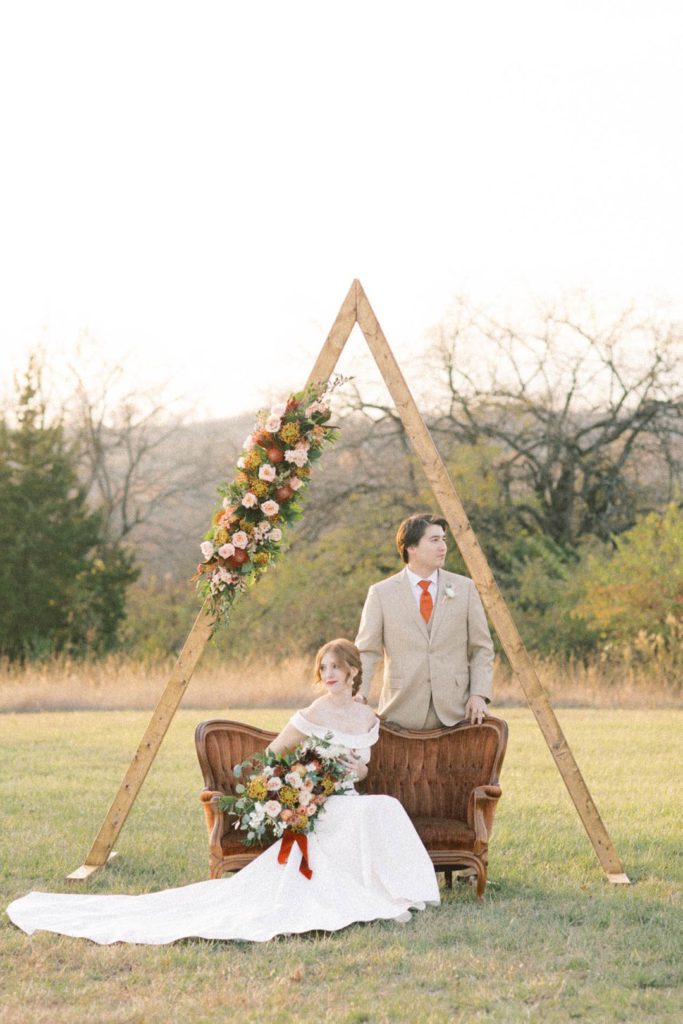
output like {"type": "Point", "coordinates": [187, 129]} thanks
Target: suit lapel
{"type": "Point", "coordinates": [410, 604]}
{"type": "Point", "coordinates": [440, 605]}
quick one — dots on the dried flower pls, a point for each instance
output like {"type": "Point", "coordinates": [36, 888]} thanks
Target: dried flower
{"type": "Point", "coordinates": [290, 433]}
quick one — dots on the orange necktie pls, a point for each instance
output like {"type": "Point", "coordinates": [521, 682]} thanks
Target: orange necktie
{"type": "Point", "coordinates": [426, 603]}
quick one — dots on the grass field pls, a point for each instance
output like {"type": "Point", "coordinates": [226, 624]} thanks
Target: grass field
{"type": "Point", "coordinates": [552, 942]}
{"type": "Point", "coordinates": [121, 683]}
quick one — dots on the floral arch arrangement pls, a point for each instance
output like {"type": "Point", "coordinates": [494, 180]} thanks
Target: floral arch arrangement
{"type": "Point", "coordinates": [265, 495]}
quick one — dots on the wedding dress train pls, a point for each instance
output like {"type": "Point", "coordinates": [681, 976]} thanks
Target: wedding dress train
{"type": "Point", "coordinates": [367, 860]}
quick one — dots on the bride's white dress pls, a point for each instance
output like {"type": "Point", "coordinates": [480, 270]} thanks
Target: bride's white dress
{"type": "Point", "coordinates": [367, 860]}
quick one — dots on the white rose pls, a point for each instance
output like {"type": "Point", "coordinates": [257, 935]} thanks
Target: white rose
{"type": "Point", "coordinates": [274, 784]}
{"type": "Point", "coordinates": [293, 779]}
{"type": "Point", "coordinates": [240, 462]}
{"type": "Point", "coordinates": [272, 808]}
{"type": "Point", "coordinates": [304, 798]}
{"type": "Point", "coordinates": [250, 500]}
{"type": "Point", "coordinates": [275, 535]}
{"type": "Point", "coordinates": [270, 508]}
{"type": "Point", "coordinates": [267, 473]}
{"type": "Point", "coordinates": [298, 456]}
{"type": "Point", "coordinates": [273, 424]}
{"type": "Point", "coordinates": [315, 407]}
{"type": "Point", "coordinates": [226, 551]}
{"type": "Point", "coordinates": [207, 549]}
{"type": "Point", "coordinates": [240, 539]}
{"type": "Point", "coordinates": [249, 443]}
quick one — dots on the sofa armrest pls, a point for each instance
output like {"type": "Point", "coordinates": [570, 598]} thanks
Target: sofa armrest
{"type": "Point", "coordinates": [480, 810]}
{"type": "Point", "coordinates": [215, 819]}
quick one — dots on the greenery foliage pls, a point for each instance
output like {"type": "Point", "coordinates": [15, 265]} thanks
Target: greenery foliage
{"type": "Point", "coordinates": [596, 600]}
{"type": "Point", "coordinates": [61, 588]}
{"type": "Point", "coordinates": [245, 536]}
{"type": "Point", "coordinates": [565, 450]}
{"type": "Point", "coordinates": [633, 594]}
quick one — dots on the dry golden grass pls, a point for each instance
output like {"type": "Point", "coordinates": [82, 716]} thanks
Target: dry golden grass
{"type": "Point", "coordinates": [120, 683]}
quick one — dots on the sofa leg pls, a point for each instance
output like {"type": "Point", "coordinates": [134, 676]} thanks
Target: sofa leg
{"type": "Point", "coordinates": [448, 878]}
{"type": "Point", "coordinates": [215, 866]}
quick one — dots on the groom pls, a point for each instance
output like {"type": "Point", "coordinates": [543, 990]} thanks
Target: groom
{"type": "Point", "coordinates": [429, 626]}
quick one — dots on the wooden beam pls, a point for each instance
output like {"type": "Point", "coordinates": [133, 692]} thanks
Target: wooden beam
{"type": "Point", "coordinates": [493, 600]}
{"type": "Point", "coordinates": [356, 308]}
{"type": "Point", "coordinates": [337, 338]}
{"type": "Point", "coordinates": [101, 850]}
{"type": "Point", "coordinates": [162, 716]}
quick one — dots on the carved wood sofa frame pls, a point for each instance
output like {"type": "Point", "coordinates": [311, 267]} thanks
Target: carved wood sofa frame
{"type": "Point", "coordinates": [446, 779]}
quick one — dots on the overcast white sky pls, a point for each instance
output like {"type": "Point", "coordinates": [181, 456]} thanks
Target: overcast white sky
{"type": "Point", "coordinates": [196, 184]}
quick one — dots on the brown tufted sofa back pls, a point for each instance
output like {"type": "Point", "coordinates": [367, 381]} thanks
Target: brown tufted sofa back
{"type": "Point", "coordinates": [433, 773]}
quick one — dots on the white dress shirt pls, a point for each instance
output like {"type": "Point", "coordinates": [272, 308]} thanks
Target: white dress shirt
{"type": "Point", "coordinates": [417, 590]}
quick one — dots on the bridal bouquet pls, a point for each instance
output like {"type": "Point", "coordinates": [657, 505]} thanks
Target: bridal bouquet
{"type": "Point", "coordinates": [271, 477]}
{"type": "Point", "coordinates": [286, 792]}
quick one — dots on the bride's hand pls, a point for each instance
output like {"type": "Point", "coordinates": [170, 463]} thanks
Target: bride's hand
{"type": "Point", "coordinates": [355, 764]}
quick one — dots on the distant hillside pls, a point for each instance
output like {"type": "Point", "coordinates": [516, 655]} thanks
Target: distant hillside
{"type": "Point", "coordinates": [204, 455]}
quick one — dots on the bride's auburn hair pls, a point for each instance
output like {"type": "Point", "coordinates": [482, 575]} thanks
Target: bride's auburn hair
{"type": "Point", "coordinates": [347, 653]}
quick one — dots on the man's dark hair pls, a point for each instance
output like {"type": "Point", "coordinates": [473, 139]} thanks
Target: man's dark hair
{"type": "Point", "coordinates": [412, 530]}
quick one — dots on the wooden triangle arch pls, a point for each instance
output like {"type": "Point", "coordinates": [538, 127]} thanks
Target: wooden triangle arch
{"type": "Point", "coordinates": [357, 309]}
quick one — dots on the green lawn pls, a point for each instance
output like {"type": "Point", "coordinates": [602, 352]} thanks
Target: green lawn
{"type": "Point", "coordinates": [553, 941]}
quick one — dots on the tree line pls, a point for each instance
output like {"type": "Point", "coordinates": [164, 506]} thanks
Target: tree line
{"type": "Point", "coordinates": [564, 438]}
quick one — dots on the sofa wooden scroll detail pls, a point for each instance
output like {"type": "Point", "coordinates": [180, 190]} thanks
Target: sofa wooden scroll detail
{"type": "Point", "coordinates": [447, 780]}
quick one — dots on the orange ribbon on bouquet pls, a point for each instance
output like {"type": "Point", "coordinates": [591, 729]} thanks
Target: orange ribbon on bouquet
{"type": "Point", "coordinates": [289, 838]}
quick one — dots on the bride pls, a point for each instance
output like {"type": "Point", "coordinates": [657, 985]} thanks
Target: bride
{"type": "Point", "coordinates": [367, 860]}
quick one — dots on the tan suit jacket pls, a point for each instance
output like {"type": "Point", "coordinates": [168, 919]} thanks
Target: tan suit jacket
{"type": "Point", "coordinates": [446, 662]}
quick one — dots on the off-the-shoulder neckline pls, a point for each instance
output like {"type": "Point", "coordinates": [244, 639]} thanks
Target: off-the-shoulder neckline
{"type": "Point", "coordinates": [325, 728]}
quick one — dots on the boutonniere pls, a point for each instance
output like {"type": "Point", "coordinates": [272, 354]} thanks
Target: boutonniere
{"type": "Point", "coordinates": [449, 593]}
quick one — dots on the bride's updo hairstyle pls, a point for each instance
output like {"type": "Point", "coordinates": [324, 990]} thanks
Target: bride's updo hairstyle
{"type": "Point", "coordinates": [345, 652]}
